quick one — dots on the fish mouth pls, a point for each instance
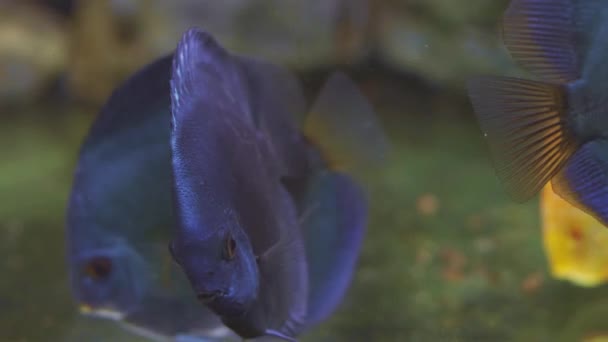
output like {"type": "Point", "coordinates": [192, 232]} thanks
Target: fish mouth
{"type": "Point", "coordinates": [106, 313]}
{"type": "Point", "coordinates": [208, 297]}
{"type": "Point", "coordinates": [221, 303]}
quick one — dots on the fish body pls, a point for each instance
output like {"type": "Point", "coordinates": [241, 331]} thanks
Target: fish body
{"type": "Point", "coordinates": [119, 217]}
{"type": "Point", "coordinates": [120, 210]}
{"type": "Point", "coordinates": [267, 234]}
{"type": "Point", "coordinates": [554, 128]}
{"type": "Point", "coordinates": [237, 237]}
{"type": "Point", "coordinates": [575, 242]}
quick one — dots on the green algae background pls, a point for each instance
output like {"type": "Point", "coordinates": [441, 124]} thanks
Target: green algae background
{"type": "Point", "coordinates": [448, 257]}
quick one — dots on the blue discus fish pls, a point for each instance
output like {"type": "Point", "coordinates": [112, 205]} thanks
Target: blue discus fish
{"type": "Point", "coordinates": [119, 218]}
{"type": "Point", "coordinates": [554, 128]}
{"type": "Point", "coordinates": [269, 226]}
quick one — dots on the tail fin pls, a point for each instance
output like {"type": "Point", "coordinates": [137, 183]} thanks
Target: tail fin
{"type": "Point", "coordinates": [334, 232]}
{"type": "Point", "coordinates": [525, 125]}
{"type": "Point", "coordinates": [584, 180]}
{"type": "Point", "coordinates": [342, 124]}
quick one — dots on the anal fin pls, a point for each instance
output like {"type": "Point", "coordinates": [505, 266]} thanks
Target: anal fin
{"type": "Point", "coordinates": [334, 232]}
{"type": "Point", "coordinates": [584, 180]}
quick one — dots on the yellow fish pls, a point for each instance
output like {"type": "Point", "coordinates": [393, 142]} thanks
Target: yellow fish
{"type": "Point", "coordinates": [576, 244]}
{"type": "Point", "coordinates": [596, 338]}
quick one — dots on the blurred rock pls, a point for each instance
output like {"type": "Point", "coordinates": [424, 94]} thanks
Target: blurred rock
{"type": "Point", "coordinates": [112, 38]}
{"type": "Point", "coordinates": [33, 50]}
{"type": "Point", "coordinates": [298, 33]}
{"type": "Point", "coordinates": [443, 40]}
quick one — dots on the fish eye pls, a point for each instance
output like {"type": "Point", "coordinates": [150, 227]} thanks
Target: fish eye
{"type": "Point", "coordinates": [98, 268]}
{"type": "Point", "coordinates": [230, 248]}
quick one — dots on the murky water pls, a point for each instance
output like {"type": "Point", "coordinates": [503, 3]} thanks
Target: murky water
{"type": "Point", "coordinates": [448, 257]}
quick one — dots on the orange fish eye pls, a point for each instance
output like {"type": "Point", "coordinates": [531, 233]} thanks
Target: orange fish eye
{"type": "Point", "coordinates": [98, 268]}
{"type": "Point", "coordinates": [230, 248]}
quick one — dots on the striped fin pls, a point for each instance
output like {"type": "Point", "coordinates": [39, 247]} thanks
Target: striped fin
{"type": "Point", "coordinates": [525, 125]}
{"type": "Point", "coordinates": [541, 35]}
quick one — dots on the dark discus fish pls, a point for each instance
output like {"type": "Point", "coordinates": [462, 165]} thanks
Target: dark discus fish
{"type": "Point", "coordinates": [237, 237]}
{"type": "Point", "coordinates": [555, 128]}
{"type": "Point", "coordinates": [119, 218]}
{"type": "Point", "coordinates": [268, 226]}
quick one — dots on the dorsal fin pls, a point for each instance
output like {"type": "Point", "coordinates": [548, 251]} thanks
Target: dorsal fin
{"type": "Point", "coordinates": [540, 36]}
{"type": "Point", "coordinates": [142, 96]}
{"type": "Point", "coordinates": [200, 61]}
{"type": "Point", "coordinates": [551, 38]}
